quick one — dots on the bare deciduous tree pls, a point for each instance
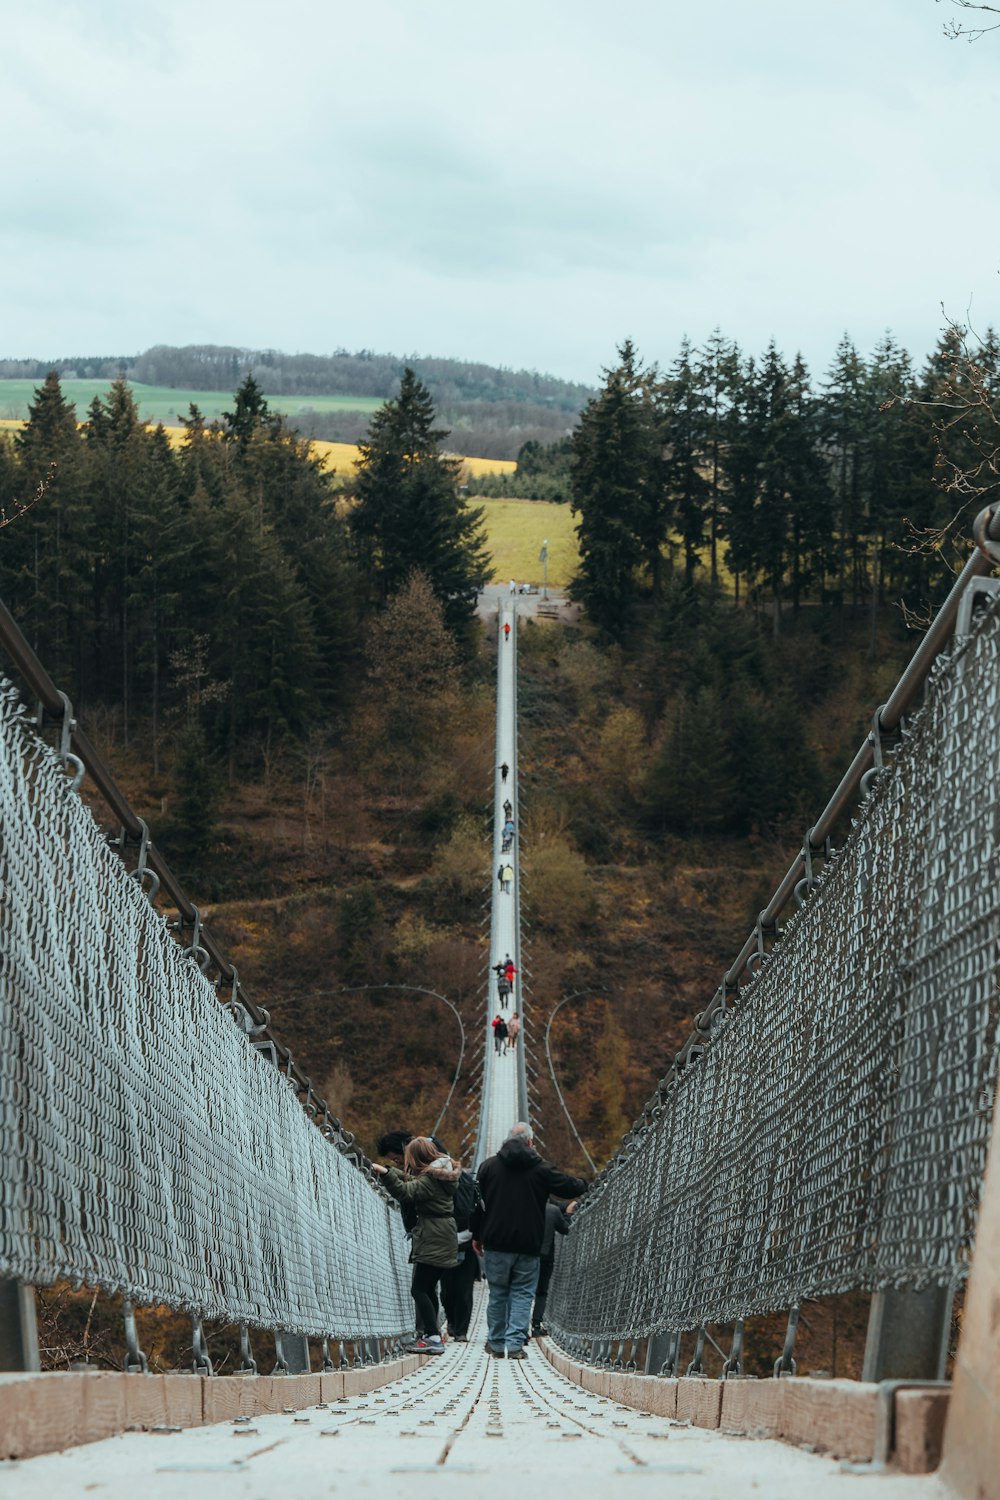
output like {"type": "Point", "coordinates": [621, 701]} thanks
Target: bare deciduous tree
{"type": "Point", "coordinates": [965, 413]}
{"type": "Point", "coordinates": [956, 29]}
{"type": "Point", "coordinates": [19, 508]}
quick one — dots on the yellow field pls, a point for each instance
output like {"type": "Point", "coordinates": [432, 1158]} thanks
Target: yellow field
{"type": "Point", "coordinates": [515, 531]}
{"type": "Point", "coordinates": [477, 466]}
{"type": "Point", "coordinates": [340, 457]}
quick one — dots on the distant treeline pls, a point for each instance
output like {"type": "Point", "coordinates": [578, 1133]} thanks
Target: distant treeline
{"type": "Point", "coordinates": [491, 412]}
{"type": "Point", "coordinates": [476, 429]}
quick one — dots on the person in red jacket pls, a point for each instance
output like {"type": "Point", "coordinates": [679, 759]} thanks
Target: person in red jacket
{"type": "Point", "coordinates": [499, 1033]}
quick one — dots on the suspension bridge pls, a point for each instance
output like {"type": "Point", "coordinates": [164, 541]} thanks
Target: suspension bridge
{"type": "Point", "coordinates": [825, 1128]}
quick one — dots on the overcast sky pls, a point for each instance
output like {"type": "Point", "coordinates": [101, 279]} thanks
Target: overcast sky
{"type": "Point", "coordinates": [524, 184]}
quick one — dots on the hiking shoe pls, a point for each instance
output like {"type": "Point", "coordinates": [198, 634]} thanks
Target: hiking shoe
{"type": "Point", "coordinates": [492, 1349]}
{"type": "Point", "coordinates": [517, 1353]}
{"type": "Point", "coordinates": [425, 1346]}
{"type": "Point", "coordinates": [460, 1338]}
{"type": "Point", "coordinates": [539, 1331]}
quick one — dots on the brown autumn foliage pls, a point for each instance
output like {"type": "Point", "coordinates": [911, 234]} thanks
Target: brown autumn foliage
{"type": "Point", "coordinates": [356, 876]}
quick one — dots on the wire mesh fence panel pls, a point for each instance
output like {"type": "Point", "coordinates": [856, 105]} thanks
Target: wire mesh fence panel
{"type": "Point", "coordinates": [832, 1135]}
{"type": "Point", "coordinates": [146, 1146]}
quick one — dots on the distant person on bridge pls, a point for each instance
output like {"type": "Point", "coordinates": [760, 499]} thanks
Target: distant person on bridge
{"type": "Point", "coordinates": [428, 1184]}
{"type": "Point", "coordinates": [504, 772]}
{"type": "Point", "coordinates": [513, 1027]}
{"type": "Point", "coordinates": [510, 1229]}
{"type": "Point", "coordinates": [508, 810]}
{"type": "Point", "coordinates": [509, 970]}
{"type": "Point", "coordinates": [557, 1221]}
{"type": "Point", "coordinates": [506, 632]}
{"type": "Point", "coordinates": [506, 878]}
{"type": "Point", "coordinates": [513, 586]}
{"type": "Point", "coordinates": [503, 991]}
{"type": "Point", "coordinates": [499, 1033]}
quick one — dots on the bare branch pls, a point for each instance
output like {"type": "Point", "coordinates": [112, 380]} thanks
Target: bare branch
{"type": "Point", "coordinates": [965, 414]}
{"type": "Point", "coordinates": [955, 29]}
{"type": "Point", "coordinates": [20, 508]}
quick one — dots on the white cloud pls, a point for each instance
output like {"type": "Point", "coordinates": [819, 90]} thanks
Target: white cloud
{"type": "Point", "coordinates": [524, 186]}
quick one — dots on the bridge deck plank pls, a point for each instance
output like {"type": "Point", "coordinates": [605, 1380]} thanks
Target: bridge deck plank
{"type": "Point", "coordinates": [462, 1420]}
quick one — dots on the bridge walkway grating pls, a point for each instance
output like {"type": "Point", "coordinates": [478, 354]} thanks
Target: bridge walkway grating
{"type": "Point", "coordinates": [462, 1420]}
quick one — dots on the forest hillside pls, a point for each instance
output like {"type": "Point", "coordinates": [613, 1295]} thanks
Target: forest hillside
{"type": "Point", "coordinates": [296, 690]}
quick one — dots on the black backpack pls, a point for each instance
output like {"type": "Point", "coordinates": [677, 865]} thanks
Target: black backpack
{"type": "Point", "coordinates": [467, 1200]}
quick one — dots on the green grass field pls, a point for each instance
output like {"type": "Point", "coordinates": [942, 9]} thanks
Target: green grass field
{"type": "Point", "coordinates": [160, 403]}
{"type": "Point", "coordinates": [516, 530]}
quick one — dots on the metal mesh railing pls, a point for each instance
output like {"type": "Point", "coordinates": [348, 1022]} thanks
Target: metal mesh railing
{"type": "Point", "coordinates": [832, 1133]}
{"type": "Point", "coordinates": [146, 1146]}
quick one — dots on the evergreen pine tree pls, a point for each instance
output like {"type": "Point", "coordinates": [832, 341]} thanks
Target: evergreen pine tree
{"type": "Point", "coordinates": [47, 558]}
{"type": "Point", "coordinates": [412, 691]}
{"type": "Point", "coordinates": [717, 374]}
{"type": "Point", "coordinates": [155, 602]}
{"type": "Point", "coordinates": [622, 519]}
{"type": "Point", "coordinates": [692, 785]}
{"type": "Point", "coordinates": [409, 513]}
{"type": "Point", "coordinates": [810, 534]}
{"type": "Point", "coordinates": [268, 654]}
{"type": "Point", "coordinates": [250, 412]}
{"type": "Point", "coordinates": [899, 495]}
{"type": "Point", "coordinates": [682, 423]}
{"type": "Point", "coordinates": [115, 476]}
{"type": "Point", "coordinates": [844, 421]}
{"type": "Point", "coordinates": [743, 462]}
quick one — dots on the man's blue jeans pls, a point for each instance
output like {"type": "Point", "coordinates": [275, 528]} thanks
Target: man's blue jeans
{"type": "Point", "coordinates": [512, 1279]}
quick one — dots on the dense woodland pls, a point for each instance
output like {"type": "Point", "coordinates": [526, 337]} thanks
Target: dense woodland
{"type": "Point", "coordinates": [296, 692]}
{"type": "Point", "coordinates": [748, 473]}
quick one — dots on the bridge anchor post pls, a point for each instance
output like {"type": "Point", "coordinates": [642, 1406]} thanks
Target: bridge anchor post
{"type": "Point", "coordinates": [292, 1351]}
{"type": "Point", "coordinates": [908, 1334]}
{"type": "Point", "coordinates": [18, 1327]}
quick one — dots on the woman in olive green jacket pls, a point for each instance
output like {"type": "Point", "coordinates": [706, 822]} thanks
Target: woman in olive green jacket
{"type": "Point", "coordinates": [428, 1184]}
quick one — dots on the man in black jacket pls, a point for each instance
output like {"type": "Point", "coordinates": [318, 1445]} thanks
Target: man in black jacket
{"type": "Point", "coordinates": [509, 1228]}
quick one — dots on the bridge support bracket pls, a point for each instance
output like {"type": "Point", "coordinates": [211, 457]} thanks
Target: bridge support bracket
{"type": "Point", "coordinates": [908, 1334]}
{"type": "Point", "coordinates": [18, 1327]}
{"type": "Point", "coordinates": [292, 1351]}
